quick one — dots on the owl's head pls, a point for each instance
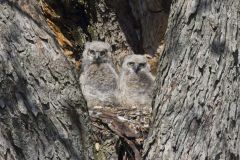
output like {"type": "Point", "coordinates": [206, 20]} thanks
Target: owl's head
{"type": "Point", "coordinates": [97, 52]}
{"type": "Point", "coordinates": [135, 64]}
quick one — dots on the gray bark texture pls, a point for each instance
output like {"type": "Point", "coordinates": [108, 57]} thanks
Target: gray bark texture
{"type": "Point", "coordinates": [42, 112]}
{"type": "Point", "coordinates": [196, 112]}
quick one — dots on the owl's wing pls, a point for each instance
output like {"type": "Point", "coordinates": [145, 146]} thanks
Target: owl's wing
{"type": "Point", "coordinates": [82, 79]}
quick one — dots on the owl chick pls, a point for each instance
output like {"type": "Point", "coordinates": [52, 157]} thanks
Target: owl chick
{"type": "Point", "coordinates": [99, 78]}
{"type": "Point", "coordinates": [136, 82]}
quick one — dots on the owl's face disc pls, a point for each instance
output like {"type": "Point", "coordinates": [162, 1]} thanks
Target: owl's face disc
{"type": "Point", "coordinates": [98, 52]}
{"type": "Point", "coordinates": [135, 64]}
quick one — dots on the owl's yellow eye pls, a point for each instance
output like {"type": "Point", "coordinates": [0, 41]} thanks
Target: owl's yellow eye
{"type": "Point", "coordinates": [130, 64]}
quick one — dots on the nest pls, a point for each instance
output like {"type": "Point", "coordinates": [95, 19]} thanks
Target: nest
{"type": "Point", "coordinates": [119, 132]}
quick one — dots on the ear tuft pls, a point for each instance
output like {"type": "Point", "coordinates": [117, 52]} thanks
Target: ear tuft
{"type": "Point", "coordinates": [148, 56]}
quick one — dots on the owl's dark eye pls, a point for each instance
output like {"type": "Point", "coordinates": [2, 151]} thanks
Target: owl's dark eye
{"type": "Point", "coordinates": [130, 64]}
{"type": "Point", "coordinates": [142, 65]}
{"type": "Point", "coordinates": [91, 52]}
{"type": "Point", "coordinates": [102, 53]}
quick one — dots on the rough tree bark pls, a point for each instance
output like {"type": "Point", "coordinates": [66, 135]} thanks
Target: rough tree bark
{"type": "Point", "coordinates": [196, 112]}
{"type": "Point", "coordinates": [129, 26]}
{"type": "Point", "coordinates": [42, 112]}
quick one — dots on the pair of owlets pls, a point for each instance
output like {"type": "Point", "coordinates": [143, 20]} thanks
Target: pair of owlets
{"type": "Point", "coordinates": [101, 85]}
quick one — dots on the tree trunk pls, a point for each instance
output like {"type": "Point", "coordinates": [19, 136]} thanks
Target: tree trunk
{"type": "Point", "coordinates": [196, 106]}
{"type": "Point", "coordinates": [42, 112]}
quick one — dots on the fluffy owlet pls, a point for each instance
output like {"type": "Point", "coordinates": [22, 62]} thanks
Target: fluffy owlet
{"type": "Point", "coordinates": [136, 82]}
{"type": "Point", "coordinates": [99, 78]}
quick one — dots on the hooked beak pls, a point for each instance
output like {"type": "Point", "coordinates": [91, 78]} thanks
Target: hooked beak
{"type": "Point", "coordinates": [97, 58]}
{"type": "Point", "coordinates": [136, 68]}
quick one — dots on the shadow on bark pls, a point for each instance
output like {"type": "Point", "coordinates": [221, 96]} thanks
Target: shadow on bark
{"type": "Point", "coordinates": [35, 124]}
